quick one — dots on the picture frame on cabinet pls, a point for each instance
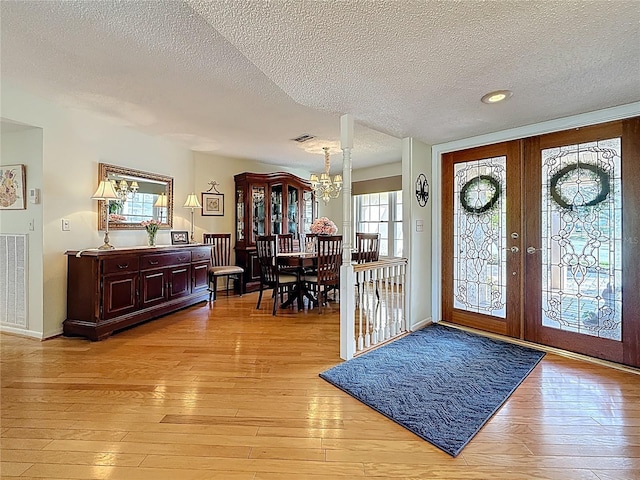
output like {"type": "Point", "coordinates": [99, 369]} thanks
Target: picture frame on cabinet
{"type": "Point", "coordinates": [12, 187]}
{"type": "Point", "coordinates": [179, 237]}
{"type": "Point", "coordinates": [212, 204]}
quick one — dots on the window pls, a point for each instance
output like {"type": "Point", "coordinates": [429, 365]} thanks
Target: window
{"type": "Point", "coordinates": [140, 207]}
{"type": "Point", "coordinates": [381, 213]}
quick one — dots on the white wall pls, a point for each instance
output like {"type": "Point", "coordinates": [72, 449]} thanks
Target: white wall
{"type": "Point", "coordinates": [73, 143]}
{"type": "Point", "coordinates": [25, 147]}
{"type": "Point", "coordinates": [379, 171]}
{"type": "Point", "coordinates": [416, 159]}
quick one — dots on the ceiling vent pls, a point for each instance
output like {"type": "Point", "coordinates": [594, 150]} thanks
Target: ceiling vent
{"type": "Point", "coordinates": [303, 138]}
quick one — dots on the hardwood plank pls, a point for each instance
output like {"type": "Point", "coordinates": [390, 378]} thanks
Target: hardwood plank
{"type": "Point", "coordinates": [150, 448]}
{"type": "Point", "coordinates": [23, 443]}
{"type": "Point", "coordinates": [13, 469]}
{"type": "Point", "coordinates": [96, 472]}
{"type": "Point", "coordinates": [316, 455]}
{"type": "Point", "coordinates": [73, 458]}
{"type": "Point", "coordinates": [328, 469]}
{"type": "Point", "coordinates": [54, 433]}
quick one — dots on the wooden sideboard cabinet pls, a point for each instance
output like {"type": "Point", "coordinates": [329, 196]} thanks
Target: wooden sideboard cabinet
{"type": "Point", "coordinates": [108, 290]}
{"type": "Point", "coordinates": [268, 204]}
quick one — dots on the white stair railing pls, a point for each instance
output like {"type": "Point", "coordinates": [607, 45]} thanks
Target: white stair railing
{"type": "Point", "coordinates": [378, 313]}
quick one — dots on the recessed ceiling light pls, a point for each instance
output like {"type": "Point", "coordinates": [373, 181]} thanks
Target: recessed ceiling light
{"type": "Point", "coordinates": [497, 96]}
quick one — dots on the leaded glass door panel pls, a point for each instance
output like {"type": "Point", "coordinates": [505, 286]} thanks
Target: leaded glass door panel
{"type": "Point", "coordinates": [582, 272]}
{"type": "Point", "coordinates": [482, 238]}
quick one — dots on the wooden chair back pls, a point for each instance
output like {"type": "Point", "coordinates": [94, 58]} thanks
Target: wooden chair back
{"type": "Point", "coordinates": [285, 243]}
{"type": "Point", "coordinates": [220, 248]}
{"type": "Point", "coordinates": [367, 247]}
{"type": "Point", "coordinates": [329, 259]}
{"type": "Point", "coordinates": [266, 252]}
{"type": "Point", "coordinates": [307, 242]}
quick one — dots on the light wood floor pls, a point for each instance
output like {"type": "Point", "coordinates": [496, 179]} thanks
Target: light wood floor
{"type": "Point", "coordinates": [234, 393]}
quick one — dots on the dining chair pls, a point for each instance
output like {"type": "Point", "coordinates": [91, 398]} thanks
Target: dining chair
{"type": "Point", "coordinates": [307, 242]}
{"type": "Point", "coordinates": [270, 275]}
{"type": "Point", "coordinates": [367, 250]}
{"type": "Point", "coordinates": [220, 263]}
{"type": "Point", "coordinates": [285, 243]}
{"type": "Point", "coordinates": [327, 276]}
{"type": "Point", "coordinates": [367, 247]}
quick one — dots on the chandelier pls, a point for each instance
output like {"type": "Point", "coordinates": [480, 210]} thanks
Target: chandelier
{"type": "Point", "coordinates": [125, 190]}
{"type": "Point", "coordinates": [324, 187]}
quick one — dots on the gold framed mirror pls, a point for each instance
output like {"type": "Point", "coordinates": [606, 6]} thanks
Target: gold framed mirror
{"type": "Point", "coordinates": [142, 196]}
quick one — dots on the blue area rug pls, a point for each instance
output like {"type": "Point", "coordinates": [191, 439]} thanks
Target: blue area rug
{"type": "Point", "coordinates": [441, 383]}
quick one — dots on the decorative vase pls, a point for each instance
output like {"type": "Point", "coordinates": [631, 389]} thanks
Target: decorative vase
{"type": "Point", "coordinates": [151, 239]}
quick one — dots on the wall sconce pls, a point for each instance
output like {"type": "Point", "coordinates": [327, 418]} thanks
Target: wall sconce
{"type": "Point", "coordinates": [106, 193]}
{"type": "Point", "coordinates": [192, 203]}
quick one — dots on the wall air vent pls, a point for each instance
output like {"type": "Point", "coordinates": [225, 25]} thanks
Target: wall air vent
{"type": "Point", "coordinates": [303, 138]}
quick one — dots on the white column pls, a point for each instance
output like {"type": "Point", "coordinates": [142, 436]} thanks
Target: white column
{"type": "Point", "coordinates": [346, 143]}
{"type": "Point", "coordinates": [347, 277]}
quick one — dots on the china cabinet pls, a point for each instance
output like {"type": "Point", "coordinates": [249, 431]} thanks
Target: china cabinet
{"type": "Point", "coordinates": [268, 204]}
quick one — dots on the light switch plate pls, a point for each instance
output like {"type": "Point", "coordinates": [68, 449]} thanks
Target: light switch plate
{"type": "Point", "coordinates": [65, 225]}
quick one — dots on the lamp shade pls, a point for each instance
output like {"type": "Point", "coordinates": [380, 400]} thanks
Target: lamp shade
{"type": "Point", "coordinates": [192, 201]}
{"type": "Point", "coordinates": [161, 201]}
{"type": "Point", "coordinates": [105, 191]}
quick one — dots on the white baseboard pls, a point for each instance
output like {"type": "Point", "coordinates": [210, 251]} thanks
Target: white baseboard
{"type": "Point", "coordinates": [48, 335]}
{"type": "Point", "coordinates": [420, 324]}
{"type": "Point", "coordinates": [21, 332]}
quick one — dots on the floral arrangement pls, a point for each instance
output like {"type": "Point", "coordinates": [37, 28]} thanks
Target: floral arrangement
{"type": "Point", "coordinates": [324, 226]}
{"type": "Point", "coordinates": [151, 226]}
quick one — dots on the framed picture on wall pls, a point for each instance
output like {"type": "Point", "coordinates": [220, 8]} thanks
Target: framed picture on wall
{"type": "Point", "coordinates": [212, 204]}
{"type": "Point", "coordinates": [12, 187]}
{"type": "Point", "coordinates": [179, 237]}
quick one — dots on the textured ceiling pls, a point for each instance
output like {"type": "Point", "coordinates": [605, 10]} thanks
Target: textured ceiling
{"type": "Point", "coordinates": [242, 78]}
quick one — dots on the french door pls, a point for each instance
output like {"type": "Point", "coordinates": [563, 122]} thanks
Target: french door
{"type": "Point", "coordinates": [541, 238]}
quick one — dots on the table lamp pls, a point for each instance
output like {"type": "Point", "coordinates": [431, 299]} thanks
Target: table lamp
{"type": "Point", "coordinates": [192, 203]}
{"type": "Point", "coordinates": [106, 193]}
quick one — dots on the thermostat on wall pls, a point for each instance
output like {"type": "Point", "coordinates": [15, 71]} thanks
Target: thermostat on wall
{"type": "Point", "coordinates": [34, 195]}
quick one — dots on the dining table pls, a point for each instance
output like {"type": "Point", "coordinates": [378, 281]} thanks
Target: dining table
{"type": "Point", "coordinates": [298, 262]}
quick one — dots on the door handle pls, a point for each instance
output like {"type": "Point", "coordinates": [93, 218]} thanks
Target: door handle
{"type": "Point", "coordinates": [513, 249]}
{"type": "Point", "coordinates": [532, 250]}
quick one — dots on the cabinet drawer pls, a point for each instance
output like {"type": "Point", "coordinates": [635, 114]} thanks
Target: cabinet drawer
{"type": "Point", "coordinates": [199, 254]}
{"type": "Point", "coordinates": [120, 265]}
{"type": "Point", "coordinates": [164, 260]}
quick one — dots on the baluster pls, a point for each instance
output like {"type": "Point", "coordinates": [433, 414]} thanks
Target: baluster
{"type": "Point", "coordinates": [359, 276]}
{"type": "Point", "coordinates": [393, 301]}
{"type": "Point", "coordinates": [375, 287]}
{"type": "Point", "coordinates": [367, 303]}
{"type": "Point", "coordinates": [401, 298]}
{"type": "Point", "coordinates": [384, 305]}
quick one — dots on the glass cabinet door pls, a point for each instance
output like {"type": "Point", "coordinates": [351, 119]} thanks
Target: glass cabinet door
{"type": "Point", "coordinates": [307, 212]}
{"type": "Point", "coordinates": [276, 209]}
{"type": "Point", "coordinates": [292, 210]}
{"type": "Point", "coordinates": [239, 214]}
{"type": "Point", "coordinates": [257, 200]}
